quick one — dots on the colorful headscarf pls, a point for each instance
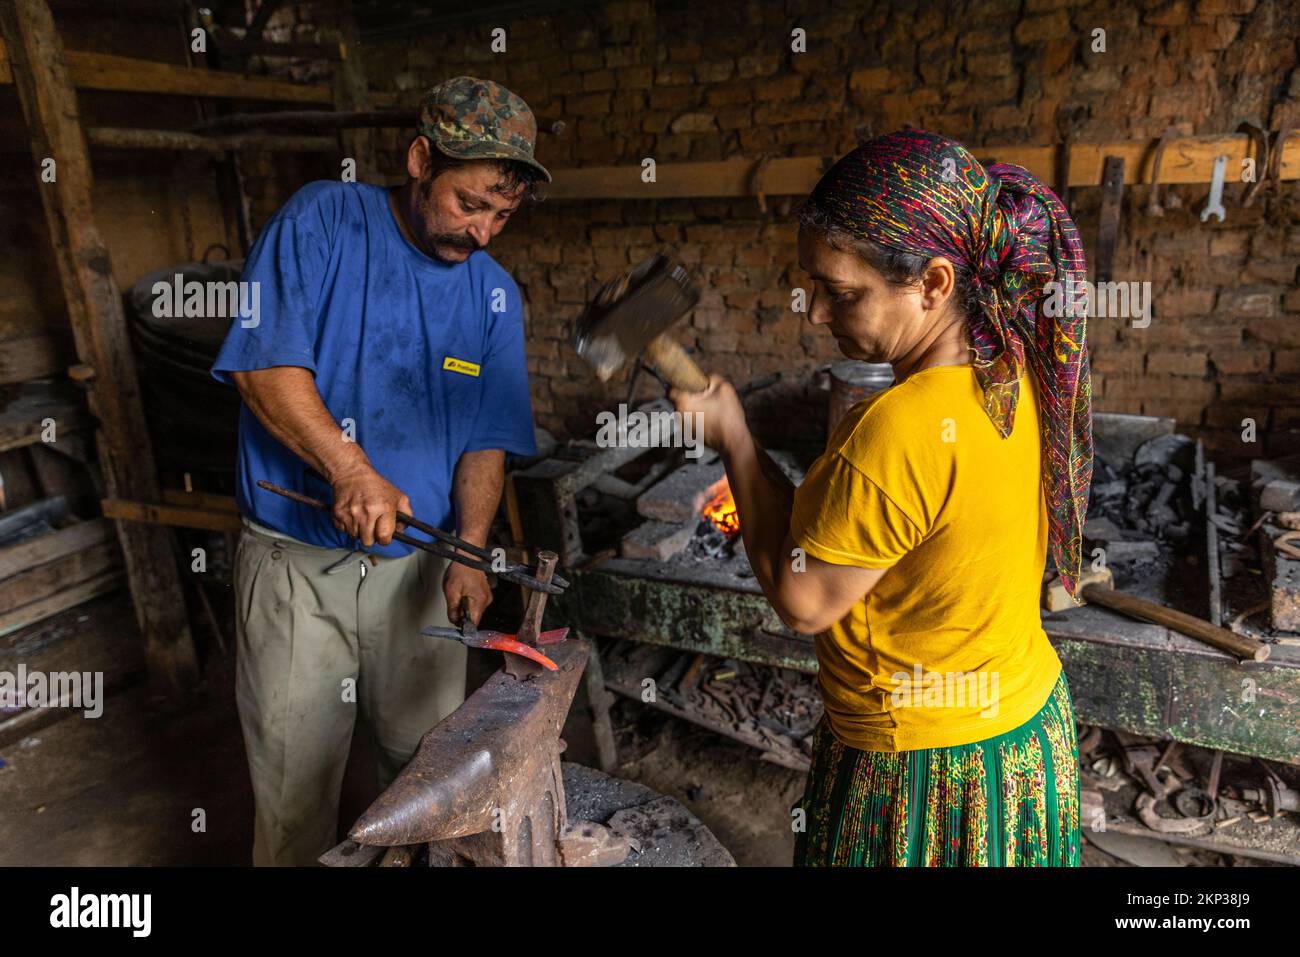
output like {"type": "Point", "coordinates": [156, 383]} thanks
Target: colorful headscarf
{"type": "Point", "coordinates": [917, 192]}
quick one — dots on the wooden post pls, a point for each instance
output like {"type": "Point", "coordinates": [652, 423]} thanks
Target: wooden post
{"type": "Point", "coordinates": [351, 93]}
{"type": "Point", "coordinates": [599, 700]}
{"type": "Point", "coordinates": [99, 327]}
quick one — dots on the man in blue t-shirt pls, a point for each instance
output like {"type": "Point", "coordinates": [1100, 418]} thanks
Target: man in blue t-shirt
{"type": "Point", "coordinates": [382, 369]}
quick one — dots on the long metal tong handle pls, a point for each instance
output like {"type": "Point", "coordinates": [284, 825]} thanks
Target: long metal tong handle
{"type": "Point", "coordinates": [512, 573]}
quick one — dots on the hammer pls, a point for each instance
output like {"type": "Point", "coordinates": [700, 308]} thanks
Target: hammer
{"type": "Point", "coordinates": [1098, 587]}
{"type": "Point", "coordinates": [631, 313]}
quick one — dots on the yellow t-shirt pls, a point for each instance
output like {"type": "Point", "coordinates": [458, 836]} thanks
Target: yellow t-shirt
{"type": "Point", "coordinates": [948, 648]}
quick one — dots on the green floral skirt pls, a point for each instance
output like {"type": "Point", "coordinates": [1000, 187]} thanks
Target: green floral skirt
{"type": "Point", "coordinates": [1010, 800]}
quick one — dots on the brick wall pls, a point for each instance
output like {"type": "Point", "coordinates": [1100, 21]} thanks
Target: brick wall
{"type": "Point", "coordinates": [709, 81]}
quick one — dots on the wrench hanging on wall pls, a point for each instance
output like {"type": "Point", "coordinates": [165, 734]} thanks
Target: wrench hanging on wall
{"type": "Point", "coordinates": [1214, 206]}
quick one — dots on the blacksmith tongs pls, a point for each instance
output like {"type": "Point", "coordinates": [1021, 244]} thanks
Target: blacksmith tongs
{"type": "Point", "coordinates": [482, 560]}
{"type": "Point", "coordinates": [495, 640]}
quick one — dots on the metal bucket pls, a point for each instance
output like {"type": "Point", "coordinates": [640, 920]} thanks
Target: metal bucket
{"type": "Point", "coordinates": [851, 382]}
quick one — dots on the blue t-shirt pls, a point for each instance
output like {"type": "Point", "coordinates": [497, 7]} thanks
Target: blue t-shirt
{"type": "Point", "coordinates": [423, 359]}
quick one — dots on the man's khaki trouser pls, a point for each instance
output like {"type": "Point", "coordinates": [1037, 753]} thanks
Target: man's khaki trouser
{"type": "Point", "coordinates": [321, 630]}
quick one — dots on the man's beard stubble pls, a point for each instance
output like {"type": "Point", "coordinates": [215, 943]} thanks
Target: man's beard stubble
{"type": "Point", "coordinates": [433, 240]}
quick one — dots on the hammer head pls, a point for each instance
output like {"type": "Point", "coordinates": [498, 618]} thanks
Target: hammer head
{"type": "Point", "coordinates": [631, 310]}
{"type": "Point", "coordinates": [1056, 598]}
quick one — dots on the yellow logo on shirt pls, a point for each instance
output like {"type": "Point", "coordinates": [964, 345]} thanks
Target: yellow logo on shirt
{"type": "Point", "coordinates": [461, 366]}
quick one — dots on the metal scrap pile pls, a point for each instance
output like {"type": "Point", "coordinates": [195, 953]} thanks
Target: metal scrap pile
{"type": "Point", "coordinates": [1183, 794]}
{"type": "Point", "coordinates": [1144, 507]}
{"type": "Point", "coordinates": [776, 705]}
{"type": "Point", "coordinates": [772, 709]}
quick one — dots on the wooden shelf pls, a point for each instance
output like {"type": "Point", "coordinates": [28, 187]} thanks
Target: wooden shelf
{"type": "Point", "coordinates": [1188, 160]}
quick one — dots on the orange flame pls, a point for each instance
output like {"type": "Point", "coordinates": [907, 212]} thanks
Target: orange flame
{"type": "Point", "coordinates": [721, 511]}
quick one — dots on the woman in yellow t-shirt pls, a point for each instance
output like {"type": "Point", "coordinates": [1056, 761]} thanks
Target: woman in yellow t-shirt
{"type": "Point", "coordinates": [915, 548]}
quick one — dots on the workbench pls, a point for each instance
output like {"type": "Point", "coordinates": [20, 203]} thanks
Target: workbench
{"type": "Point", "coordinates": [1124, 674]}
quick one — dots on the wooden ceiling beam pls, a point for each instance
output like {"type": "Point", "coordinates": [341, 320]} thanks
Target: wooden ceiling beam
{"type": "Point", "coordinates": [107, 71]}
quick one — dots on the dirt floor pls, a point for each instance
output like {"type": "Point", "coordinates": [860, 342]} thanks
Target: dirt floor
{"type": "Point", "coordinates": [142, 786]}
{"type": "Point", "coordinates": [744, 800]}
{"type": "Point", "coordinates": [124, 789]}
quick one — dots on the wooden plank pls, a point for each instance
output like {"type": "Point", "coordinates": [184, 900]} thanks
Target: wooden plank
{"type": "Point", "coordinates": [68, 598]}
{"type": "Point", "coordinates": [94, 303]}
{"type": "Point", "coordinates": [106, 71]}
{"type": "Point", "coordinates": [122, 138]}
{"type": "Point", "coordinates": [1220, 841]}
{"type": "Point", "coordinates": [1189, 160]}
{"type": "Point", "coordinates": [204, 500]}
{"type": "Point", "coordinates": [31, 357]}
{"type": "Point", "coordinates": [598, 705]}
{"type": "Point", "coordinates": [312, 120]}
{"type": "Point", "coordinates": [59, 543]}
{"type": "Point", "coordinates": [172, 515]}
{"type": "Point", "coordinates": [47, 580]}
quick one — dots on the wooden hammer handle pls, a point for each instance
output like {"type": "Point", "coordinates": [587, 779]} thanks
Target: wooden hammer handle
{"type": "Point", "coordinates": [1135, 607]}
{"type": "Point", "coordinates": [671, 361]}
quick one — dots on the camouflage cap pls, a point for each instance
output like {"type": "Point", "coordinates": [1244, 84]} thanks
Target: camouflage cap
{"type": "Point", "coordinates": [469, 118]}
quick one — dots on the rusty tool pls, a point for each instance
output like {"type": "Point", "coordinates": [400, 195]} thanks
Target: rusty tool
{"type": "Point", "coordinates": [1275, 158]}
{"type": "Point", "coordinates": [1275, 796]}
{"type": "Point", "coordinates": [530, 632]}
{"type": "Point", "coordinates": [470, 636]}
{"type": "Point", "coordinates": [1259, 142]}
{"type": "Point", "coordinates": [1069, 121]}
{"type": "Point", "coordinates": [1098, 587]}
{"type": "Point", "coordinates": [1154, 206]}
{"type": "Point", "coordinates": [1108, 219]}
{"type": "Point", "coordinates": [633, 312]}
{"type": "Point", "coordinates": [514, 572]}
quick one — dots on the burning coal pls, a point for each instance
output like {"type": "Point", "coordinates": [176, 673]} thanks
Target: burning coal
{"type": "Point", "coordinates": [720, 510]}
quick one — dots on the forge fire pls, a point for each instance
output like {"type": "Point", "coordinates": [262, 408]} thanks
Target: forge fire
{"type": "Point", "coordinates": [720, 511]}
